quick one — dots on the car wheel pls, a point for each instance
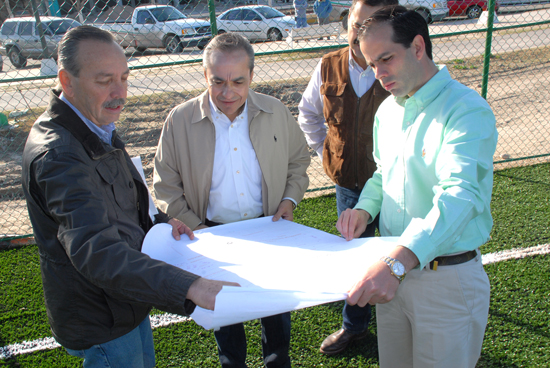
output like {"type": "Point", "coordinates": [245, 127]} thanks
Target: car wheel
{"type": "Point", "coordinates": [274, 35]}
{"type": "Point", "coordinates": [473, 12]}
{"type": "Point", "coordinates": [221, 31]}
{"type": "Point", "coordinates": [141, 49]}
{"type": "Point", "coordinates": [18, 60]}
{"type": "Point", "coordinates": [426, 15]}
{"type": "Point", "coordinates": [173, 45]}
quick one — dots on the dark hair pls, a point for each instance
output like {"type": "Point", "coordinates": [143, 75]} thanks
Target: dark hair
{"type": "Point", "coordinates": [406, 25]}
{"type": "Point", "coordinates": [68, 47]}
{"type": "Point", "coordinates": [228, 42]}
{"type": "Point", "coordinates": [373, 3]}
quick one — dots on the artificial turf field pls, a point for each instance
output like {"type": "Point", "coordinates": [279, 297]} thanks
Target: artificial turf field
{"type": "Point", "coordinates": [517, 335]}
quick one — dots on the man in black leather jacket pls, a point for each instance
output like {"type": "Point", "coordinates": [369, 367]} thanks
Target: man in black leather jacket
{"type": "Point", "coordinates": [89, 209]}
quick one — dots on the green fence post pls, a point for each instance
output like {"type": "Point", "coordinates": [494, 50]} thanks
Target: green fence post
{"type": "Point", "coordinates": [488, 40]}
{"type": "Point", "coordinates": [212, 11]}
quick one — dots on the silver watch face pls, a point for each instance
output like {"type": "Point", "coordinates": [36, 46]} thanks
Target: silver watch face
{"type": "Point", "coordinates": [398, 269]}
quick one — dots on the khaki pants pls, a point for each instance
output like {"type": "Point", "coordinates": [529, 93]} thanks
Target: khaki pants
{"type": "Point", "coordinates": [437, 318]}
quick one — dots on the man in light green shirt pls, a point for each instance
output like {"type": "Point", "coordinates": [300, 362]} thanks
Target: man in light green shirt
{"type": "Point", "coordinates": [434, 141]}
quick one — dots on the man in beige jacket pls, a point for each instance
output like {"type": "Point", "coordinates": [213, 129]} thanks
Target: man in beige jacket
{"type": "Point", "coordinates": [228, 155]}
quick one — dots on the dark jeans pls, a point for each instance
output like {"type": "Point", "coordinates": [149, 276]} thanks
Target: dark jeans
{"type": "Point", "coordinates": [355, 319]}
{"type": "Point", "coordinates": [231, 342]}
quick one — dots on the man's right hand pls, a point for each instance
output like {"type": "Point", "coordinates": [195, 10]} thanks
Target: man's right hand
{"type": "Point", "coordinates": [352, 223]}
{"type": "Point", "coordinates": [203, 292]}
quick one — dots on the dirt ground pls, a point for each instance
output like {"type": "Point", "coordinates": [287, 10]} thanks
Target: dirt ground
{"type": "Point", "coordinates": [518, 91]}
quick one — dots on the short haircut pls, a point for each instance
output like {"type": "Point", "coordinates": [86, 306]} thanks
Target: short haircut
{"type": "Point", "coordinates": [373, 3]}
{"type": "Point", "coordinates": [228, 42]}
{"type": "Point", "coordinates": [406, 25]}
{"type": "Point", "coordinates": [68, 47]}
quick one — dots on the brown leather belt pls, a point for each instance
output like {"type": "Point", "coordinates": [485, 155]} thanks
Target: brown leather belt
{"type": "Point", "coordinates": [452, 260]}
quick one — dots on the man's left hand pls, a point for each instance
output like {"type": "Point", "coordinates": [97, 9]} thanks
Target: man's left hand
{"type": "Point", "coordinates": [179, 228]}
{"type": "Point", "coordinates": [285, 209]}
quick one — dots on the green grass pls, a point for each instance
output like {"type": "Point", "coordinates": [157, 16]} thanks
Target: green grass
{"type": "Point", "coordinates": [519, 318]}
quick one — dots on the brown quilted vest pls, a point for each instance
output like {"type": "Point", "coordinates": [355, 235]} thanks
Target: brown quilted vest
{"type": "Point", "coordinates": [347, 151]}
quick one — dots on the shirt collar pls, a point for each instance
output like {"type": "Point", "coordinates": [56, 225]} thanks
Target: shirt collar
{"type": "Point", "coordinates": [353, 64]}
{"type": "Point", "coordinates": [105, 132]}
{"type": "Point", "coordinates": [429, 91]}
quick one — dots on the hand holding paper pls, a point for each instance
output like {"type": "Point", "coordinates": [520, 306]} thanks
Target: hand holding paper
{"type": "Point", "coordinates": [281, 266]}
{"type": "Point", "coordinates": [203, 292]}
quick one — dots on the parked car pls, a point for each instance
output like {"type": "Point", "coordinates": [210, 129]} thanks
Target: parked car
{"type": "Point", "coordinates": [256, 22]}
{"type": "Point", "coordinates": [469, 8]}
{"type": "Point", "coordinates": [20, 39]}
{"type": "Point", "coordinates": [431, 10]}
{"type": "Point", "coordinates": [160, 26]}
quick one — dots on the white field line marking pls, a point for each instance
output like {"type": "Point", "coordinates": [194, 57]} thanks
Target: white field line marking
{"type": "Point", "coordinates": [48, 343]}
{"type": "Point", "coordinates": [163, 320]}
{"type": "Point", "coordinates": [515, 253]}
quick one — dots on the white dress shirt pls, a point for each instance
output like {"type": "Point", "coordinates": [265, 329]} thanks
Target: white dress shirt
{"type": "Point", "coordinates": [236, 190]}
{"type": "Point", "coordinates": [311, 117]}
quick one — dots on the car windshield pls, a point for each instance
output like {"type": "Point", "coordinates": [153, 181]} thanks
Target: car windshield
{"type": "Point", "coordinates": [165, 14]}
{"type": "Point", "coordinates": [60, 27]}
{"type": "Point", "coordinates": [269, 13]}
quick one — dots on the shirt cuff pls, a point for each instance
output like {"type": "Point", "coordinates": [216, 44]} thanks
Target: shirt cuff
{"type": "Point", "coordinates": [293, 202]}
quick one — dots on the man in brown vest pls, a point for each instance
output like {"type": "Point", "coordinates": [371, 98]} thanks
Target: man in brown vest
{"type": "Point", "coordinates": [344, 94]}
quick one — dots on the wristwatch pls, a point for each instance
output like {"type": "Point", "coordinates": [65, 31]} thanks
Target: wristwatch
{"type": "Point", "coordinates": [396, 268]}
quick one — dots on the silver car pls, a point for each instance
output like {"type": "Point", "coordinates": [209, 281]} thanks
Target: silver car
{"type": "Point", "coordinates": [256, 22]}
{"type": "Point", "coordinates": [20, 39]}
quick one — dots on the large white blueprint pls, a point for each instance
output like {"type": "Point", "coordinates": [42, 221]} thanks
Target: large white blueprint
{"type": "Point", "coordinates": [281, 266]}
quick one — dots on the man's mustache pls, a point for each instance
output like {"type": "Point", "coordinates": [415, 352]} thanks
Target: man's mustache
{"type": "Point", "coordinates": [114, 103]}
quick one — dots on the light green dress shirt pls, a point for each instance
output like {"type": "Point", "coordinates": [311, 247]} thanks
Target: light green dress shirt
{"type": "Point", "coordinates": [434, 180]}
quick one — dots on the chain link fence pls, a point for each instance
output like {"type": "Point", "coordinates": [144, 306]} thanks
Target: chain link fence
{"type": "Point", "coordinates": [163, 40]}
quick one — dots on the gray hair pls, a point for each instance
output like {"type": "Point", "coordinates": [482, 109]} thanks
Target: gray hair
{"type": "Point", "coordinates": [68, 47]}
{"type": "Point", "coordinates": [228, 42]}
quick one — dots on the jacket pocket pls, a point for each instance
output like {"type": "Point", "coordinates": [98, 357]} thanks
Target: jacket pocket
{"type": "Point", "coordinates": [334, 145]}
{"type": "Point", "coordinates": [333, 102]}
{"type": "Point", "coordinates": [122, 313]}
{"type": "Point", "coordinates": [122, 190]}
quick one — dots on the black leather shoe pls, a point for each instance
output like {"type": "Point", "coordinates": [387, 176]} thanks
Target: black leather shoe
{"type": "Point", "coordinates": [339, 341]}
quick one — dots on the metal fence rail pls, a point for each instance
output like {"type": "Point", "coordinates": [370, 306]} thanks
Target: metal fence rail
{"type": "Point", "coordinates": [504, 56]}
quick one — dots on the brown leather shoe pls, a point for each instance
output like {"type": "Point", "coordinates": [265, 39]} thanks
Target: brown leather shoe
{"type": "Point", "coordinates": [339, 341]}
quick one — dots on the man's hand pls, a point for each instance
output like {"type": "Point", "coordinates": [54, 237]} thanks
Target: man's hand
{"type": "Point", "coordinates": [378, 285]}
{"type": "Point", "coordinates": [179, 228]}
{"type": "Point", "coordinates": [352, 223]}
{"type": "Point", "coordinates": [203, 292]}
{"type": "Point", "coordinates": [285, 209]}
